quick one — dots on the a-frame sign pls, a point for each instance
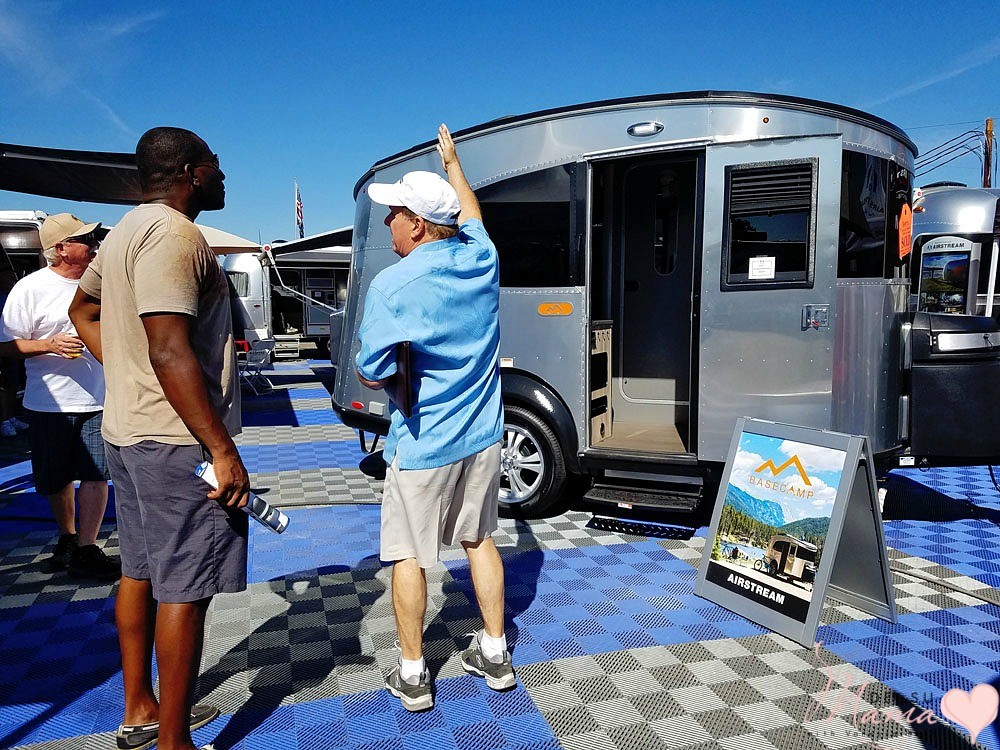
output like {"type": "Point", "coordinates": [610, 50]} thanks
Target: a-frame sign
{"type": "Point", "coordinates": [790, 500]}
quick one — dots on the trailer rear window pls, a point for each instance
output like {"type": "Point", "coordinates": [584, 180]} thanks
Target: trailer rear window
{"type": "Point", "coordinates": [769, 235]}
{"type": "Point", "coordinates": [528, 217]}
{"type": "Point", "coordinates": [241, 282]}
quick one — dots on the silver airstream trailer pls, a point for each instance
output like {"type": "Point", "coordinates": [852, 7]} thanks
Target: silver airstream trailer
{"type": "Point", "coordinates": [668, 264]}
{"type": "Point", "coordinates": [955, 248]}
{"type": "Point", "coordinates": [288, 291]}
{"type": "Point", "coordinates": [789, 557]}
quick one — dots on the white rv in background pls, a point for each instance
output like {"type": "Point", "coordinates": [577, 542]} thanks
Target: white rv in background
{"type": "Point", "coordinates": [288, 291]}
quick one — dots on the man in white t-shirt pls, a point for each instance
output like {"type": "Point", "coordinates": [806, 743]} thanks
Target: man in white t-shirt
{"type": "Point", "coordinates": [64, 395]}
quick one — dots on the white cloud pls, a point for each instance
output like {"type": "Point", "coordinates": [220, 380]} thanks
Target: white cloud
{"type": "Point", "coordinates": [814, 457]}
{"type": "Point", "coordinates": [29, 44]}
{"type": "Point", "coordinates": [743, 465]}
{"type": "Point", "coordinates": [816, 499]}
{"type": "Point", "coordinates": [126, 26]}
{"type": "Point", "coordinates": [975, 58]}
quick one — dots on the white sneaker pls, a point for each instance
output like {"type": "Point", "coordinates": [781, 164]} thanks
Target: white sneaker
{"type": "Point", "coordinates": [7, 429]}
{"type": "Point", "coordinates": [18, 424]}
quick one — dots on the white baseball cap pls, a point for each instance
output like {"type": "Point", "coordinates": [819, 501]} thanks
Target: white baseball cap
{"type": "Point", "coordinates": [427, 194]}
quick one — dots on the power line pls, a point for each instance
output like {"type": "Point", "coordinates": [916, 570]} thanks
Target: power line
{"type": "Point", "coordinates": [966, 136]}
{"type": "Point", "coordinates": [963, 145]}
{"type": "Point", "coordinates": [977, 142]}
{"type": "Point", "coordinates": [941, 125]}
{"type": "Point", "coordinates": [957, 156]}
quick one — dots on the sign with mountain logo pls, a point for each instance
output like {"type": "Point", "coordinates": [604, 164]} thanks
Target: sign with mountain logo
{"type": "Point", "coordinates": [790, 498]}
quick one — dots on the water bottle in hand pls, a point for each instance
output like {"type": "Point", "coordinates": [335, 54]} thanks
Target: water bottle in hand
{"type": "Point", "coordinates": [256, 507]}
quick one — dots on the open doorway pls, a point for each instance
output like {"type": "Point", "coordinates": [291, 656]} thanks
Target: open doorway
{"type": "Point", "coordinates": [644, 238]}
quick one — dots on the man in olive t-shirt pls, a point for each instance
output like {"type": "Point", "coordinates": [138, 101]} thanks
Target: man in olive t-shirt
{"type": "Point", "coordinates": [154, 306]}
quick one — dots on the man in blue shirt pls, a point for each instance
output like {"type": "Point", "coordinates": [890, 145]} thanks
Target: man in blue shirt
{"type": "Point", "coordinates": [443, 480]}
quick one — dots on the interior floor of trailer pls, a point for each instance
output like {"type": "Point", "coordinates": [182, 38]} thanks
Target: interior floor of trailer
{"type": "Point", "coordinates": [651, 438]}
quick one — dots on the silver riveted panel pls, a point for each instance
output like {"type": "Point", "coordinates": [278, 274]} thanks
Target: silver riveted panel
{"type": "Point", "coordinates": [757, 359]}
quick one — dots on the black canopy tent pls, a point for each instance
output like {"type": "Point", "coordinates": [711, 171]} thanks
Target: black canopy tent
{"type": "Point", "coordinates": [89, 176]}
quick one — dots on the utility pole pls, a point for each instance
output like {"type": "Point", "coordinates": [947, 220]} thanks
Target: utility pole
{"type": "Point", "coordinates": [988, 153]}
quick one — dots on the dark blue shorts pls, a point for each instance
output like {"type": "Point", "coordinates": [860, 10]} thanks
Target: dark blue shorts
{"type": "Point", "coordinates": [169, 533]}
{"type": "Point", "coordinates": [65, 446]}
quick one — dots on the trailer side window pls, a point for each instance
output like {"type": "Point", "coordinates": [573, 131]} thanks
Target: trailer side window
{"type": "Point", "coordinates": [528, 218]}
{"type": "Point", "coordinates": [241, 282]}
{"type": "Point", "coordinates": [873, 192]}
{"type": "Point", "coordinates": [769, 234]}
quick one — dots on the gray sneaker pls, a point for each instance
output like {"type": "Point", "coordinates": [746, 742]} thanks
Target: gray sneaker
{"type": "Point", "coordinates": [498, 676]}
{"type": "Point", "coordinates": [413, 697]}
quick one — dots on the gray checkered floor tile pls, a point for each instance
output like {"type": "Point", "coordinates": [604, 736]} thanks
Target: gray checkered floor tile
{"type": "Point", "coordinates": [24, 580]}
{"type": "Point", "coordinates": [756, 692]}
{"type": "Point", "coordinates": [285, 489]}
{"type": "Point", "coordinates": [324, 635]}
{"type": "Point", "coordinates": [329, 632]}
{"type": "Point", "coordinates": [946, 589]}
{"type": "Point", "coordinates": [286, 434]}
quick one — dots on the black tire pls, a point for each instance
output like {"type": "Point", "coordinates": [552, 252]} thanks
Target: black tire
{"type": "Point", "coordinates": [772, 568]}
{"type": "Point", "coordinates": [323, 348]}
{"type": "Point", "coordinates": [758, 565]}
{"type": "Point", "coordinates": [533, 475]}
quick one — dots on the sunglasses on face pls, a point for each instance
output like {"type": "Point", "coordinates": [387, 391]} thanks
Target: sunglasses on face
{"type": "Point", "coordinates": [90, 240]}
{"type": "Point", "coordinates": [213, 163]}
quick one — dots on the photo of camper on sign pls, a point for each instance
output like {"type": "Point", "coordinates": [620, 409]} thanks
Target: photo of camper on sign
{"type": "Point", "coordinates": [775, 520]}
{"type": "Point", "coordinates": [944, 275]}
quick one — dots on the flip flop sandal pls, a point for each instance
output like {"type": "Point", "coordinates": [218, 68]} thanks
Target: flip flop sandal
{"type": "Point", "coordinates": [141, 736]}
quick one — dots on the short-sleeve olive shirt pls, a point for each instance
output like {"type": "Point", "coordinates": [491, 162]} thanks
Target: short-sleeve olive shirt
{"type": "Point", "coordinates": [157, 261]}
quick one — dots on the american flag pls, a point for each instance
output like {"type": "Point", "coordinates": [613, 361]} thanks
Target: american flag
{"type": "Point", "coordinates": [298, 212]}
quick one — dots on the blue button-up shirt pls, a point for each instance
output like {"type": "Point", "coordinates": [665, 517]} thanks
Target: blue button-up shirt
{"type": "Point", "coordinates": [444, 297]}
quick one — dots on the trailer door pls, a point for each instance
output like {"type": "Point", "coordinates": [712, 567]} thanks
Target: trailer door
{"type": "Point", "coordinates": [771, 227]}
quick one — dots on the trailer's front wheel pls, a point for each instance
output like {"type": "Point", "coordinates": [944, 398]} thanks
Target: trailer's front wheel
{"type": "Point", "coordinates": [323, 348]}
{"type": "Point", "coordinates": [532, 468]}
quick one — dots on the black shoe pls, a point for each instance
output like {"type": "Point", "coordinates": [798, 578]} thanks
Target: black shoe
{"type": "Point", "coordinates": [141, 736]}
{"type": "Point", "coordinates": [62, 554]}
{"type": "Point", "coordinates": [91, 562]}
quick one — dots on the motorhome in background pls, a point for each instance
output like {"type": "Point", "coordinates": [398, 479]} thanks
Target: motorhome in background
{"type": "Point", "coordinates": [671, 263]}
{"type": "Point", "coordinates": [289, 291]}
{"type": "Point", "coordinates": [20, 248]}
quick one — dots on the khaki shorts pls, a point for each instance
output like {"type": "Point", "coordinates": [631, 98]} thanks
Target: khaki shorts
{"type": "Point", "coordinates": [425, 508]}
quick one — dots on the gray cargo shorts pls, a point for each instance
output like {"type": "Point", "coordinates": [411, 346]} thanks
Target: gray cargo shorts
{"type": "Point", "coordinates": [187, 546]}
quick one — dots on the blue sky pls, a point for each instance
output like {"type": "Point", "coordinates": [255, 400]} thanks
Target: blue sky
{"type": "Point", "coordinates": [318, 91]}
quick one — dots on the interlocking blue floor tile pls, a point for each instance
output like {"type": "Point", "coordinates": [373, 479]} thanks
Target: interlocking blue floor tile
{"type": "Point", "coordinates": [337, 454]}
{"type": "Point", "coordinates": [60, 678]}
{"type": "Point", "coordinates": [293, 418]}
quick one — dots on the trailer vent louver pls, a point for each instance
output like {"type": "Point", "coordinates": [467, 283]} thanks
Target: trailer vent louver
{"type": "Point", "coordinates": [779, 187]}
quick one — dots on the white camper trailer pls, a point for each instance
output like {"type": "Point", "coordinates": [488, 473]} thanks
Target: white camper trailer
{"type": "Point", "coordinates": [670, 263]}
{"type": "Point", "coordinates": [289, 290]}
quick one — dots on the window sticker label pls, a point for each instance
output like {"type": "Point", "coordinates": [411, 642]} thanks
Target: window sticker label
{"type": "Point", "coordinates": [762, 268]}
